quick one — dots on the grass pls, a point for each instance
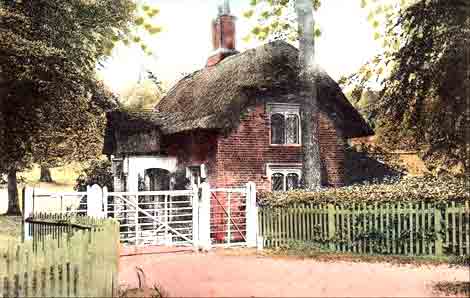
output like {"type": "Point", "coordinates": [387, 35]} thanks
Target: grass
{"type": "Point", "coordinates": [457, 288]}
{"type": "Point", "coordinates": [63, 176]}
{"type": "Point", "coordinates": [64, 181]}
{"type": "Point", "coordinates": [10, 228]}
{"type": "Point", "coordinates": [304, 251]}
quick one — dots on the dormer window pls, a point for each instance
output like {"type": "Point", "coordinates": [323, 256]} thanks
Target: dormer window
{"type": "Point", "coordinates": [285, 124]}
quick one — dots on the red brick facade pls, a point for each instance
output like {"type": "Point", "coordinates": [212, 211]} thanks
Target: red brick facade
{"type": "Point", "coordinates": [242, 156]}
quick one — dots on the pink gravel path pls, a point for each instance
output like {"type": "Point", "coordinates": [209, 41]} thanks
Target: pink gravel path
{"type": "Point", "coordinates": [216, 275]}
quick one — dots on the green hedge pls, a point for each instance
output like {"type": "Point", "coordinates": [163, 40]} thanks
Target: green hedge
{"type": "Point", "coordinates": [408, 189]}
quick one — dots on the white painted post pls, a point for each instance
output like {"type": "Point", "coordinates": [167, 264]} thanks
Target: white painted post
{"type": "Point", "coordinates": [195, 204]}
{"type": "Point", "coordinates": [166, 215]}
{"type": "Point", "coordinates": [205, 217]}
{"type": "Point", "coordinates": [28, 209]}
{"type": "Point", "coordinates": [94, 201]}
{"type": "Point", "coordinates": [251, 215]}
{"type": "Point", "coordinates": [105, 202]}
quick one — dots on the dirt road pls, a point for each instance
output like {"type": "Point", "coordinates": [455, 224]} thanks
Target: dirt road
{"type": "Point", "coordinates": [217, 275]}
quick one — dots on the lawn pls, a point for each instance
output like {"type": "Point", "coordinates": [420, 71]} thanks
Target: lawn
{"type": "Point", "coordinates": [64, 181]}
{"type": "Point", "coordinates": [10, 228]}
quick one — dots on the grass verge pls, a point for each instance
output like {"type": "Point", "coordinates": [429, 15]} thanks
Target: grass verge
{"type": "Point", "coordinates": [458, 288]}
{"type": "Point", "coordinates": [327, 256]}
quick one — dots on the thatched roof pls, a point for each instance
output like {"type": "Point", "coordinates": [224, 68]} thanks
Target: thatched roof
{"type": "Point", "coordinates": [132, 132]}
{"type": "Point", "coordinates": [212, 98]}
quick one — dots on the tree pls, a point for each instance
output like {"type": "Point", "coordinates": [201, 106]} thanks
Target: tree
{"type": "Point", "coordinates": [48, 91]}
{"type": "Point", "coordinates": [143, 95]}
{"type": "Point", "coordinates": [424, 74]}
{"type": "Point", "coordinates": [276, 21]}
{"type": "Point", "coordinates": [55, 148]}
{"type": "Point", "coordinates": [311, 162]}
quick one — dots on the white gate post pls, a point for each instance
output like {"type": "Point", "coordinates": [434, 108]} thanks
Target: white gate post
{"type": "Point", "coordinates": [28, 209]}
{"type": "Point", "coordinates": [105, 202]}
{"type": "Point", "coordinates": [205, 217]}
{"type": "Point", "coordinates": [195, 204]}
{"type": "Point", "coordinates": [94, 201]}
{"type": "Point", "coordinates": [251, 215]}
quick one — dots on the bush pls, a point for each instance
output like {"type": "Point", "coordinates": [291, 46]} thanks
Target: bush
{"type": "Point", "coordinates": [408, 189]}
{"type": "Point", "coordinates": [98, 172]}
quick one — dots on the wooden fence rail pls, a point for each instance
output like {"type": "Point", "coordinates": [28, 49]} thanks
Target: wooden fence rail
{"type": "Point", "coordinates": [414, 228]}
{"type": "Point", "coordinates": [68, 257]}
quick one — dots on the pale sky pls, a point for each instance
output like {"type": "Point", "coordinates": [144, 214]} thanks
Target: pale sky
{"type": "Point", "coordinates": [185, 44]}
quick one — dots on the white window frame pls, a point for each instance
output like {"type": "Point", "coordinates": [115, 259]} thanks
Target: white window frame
{"type": "Point", "coordinates": [284, 109]}
{"type": "Point", "coordinates": [202, 172]}
{"type": "Point", "coordinates": [285, 169]}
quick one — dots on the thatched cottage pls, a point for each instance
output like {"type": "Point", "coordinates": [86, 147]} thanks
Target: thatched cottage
{"type": "Point", "coordinates": [234, 121]}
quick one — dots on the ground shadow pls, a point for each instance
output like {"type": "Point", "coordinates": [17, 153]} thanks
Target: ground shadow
{"type": "Point", "coordinates": [363, 167]}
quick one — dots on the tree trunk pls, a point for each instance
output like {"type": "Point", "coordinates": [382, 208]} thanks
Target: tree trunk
{"type": "Point", "coordinates": [311, 163]}
{"type": "Point", "coordinates": [13, 203]}
{"type": "Point", "coordinates": [45, 175]}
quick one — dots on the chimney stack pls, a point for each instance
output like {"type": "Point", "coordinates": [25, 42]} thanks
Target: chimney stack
{"type": "Point", "coordinates": [223, 35]}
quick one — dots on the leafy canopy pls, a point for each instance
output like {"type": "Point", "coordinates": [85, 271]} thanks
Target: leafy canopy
{"type": "Point", "coordinates": [276, 19]}
{"type": "Point", "coordinates": [424, 102]}
{"type": "Point", "coordinates": [51, 105]}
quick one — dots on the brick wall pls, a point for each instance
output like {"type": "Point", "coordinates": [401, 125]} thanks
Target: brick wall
{"type": "Point", "coordinates": [194, 149]}
{"type": "Point", "coordinates": [242, 156]}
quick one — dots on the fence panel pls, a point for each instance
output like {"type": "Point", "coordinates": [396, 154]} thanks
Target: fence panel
{"type": "Point", "coordinates": [418, 228]}
{"type": "Point", "coordinates": [68, 257]}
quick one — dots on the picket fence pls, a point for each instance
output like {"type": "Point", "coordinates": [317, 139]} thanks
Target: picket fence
{"type": "Point", "coordinates": [388, 228]}
{"type": "Point", "coordinates": [67, 257]}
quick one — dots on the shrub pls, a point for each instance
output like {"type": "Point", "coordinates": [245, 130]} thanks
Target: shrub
{"type": "Point", "coordinates": [98, 172]}
{"type": "Point", "coordinates": [408, 189]}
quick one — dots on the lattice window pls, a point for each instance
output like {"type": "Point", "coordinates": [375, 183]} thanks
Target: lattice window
{"type": "Point", "coordinates": [284, 177]}
{"type": "Point", "coordinates": [277, 129]}
{"type": "Point", "coordinates": [285, 124]}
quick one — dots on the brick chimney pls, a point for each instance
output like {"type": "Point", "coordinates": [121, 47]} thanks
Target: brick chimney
{"type": "Point", "coordinates": [223, 35]}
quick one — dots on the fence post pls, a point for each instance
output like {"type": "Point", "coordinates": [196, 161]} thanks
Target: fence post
{"type": "Point", "coordinates": [94, 201]}
{"type": "Point", "coordinates": [437, 230]}
{"type": "Point", "coordinates": [105, 202]}
{"type": "Point", "coordinates": [205, 217]}
{"type": "Point", "coordinates": [28, 209]}
{"type": "Point", "coordinates": [195, 204]}
{"type": "Point", "coordinates": [331, 226]}
{"type": "Point", "coordinates": [251, 215]}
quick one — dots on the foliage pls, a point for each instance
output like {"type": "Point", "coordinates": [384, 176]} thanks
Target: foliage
{"type": "Point", "coordinates": [460, 261]}
{"type": "Point", "coordinates": [310, 250]}
{"type": "Point", "coordinates": [423, 105]}
{"type": "Point", "coordinates": [409, 189]}
{"type": "Point", "coordinates": [47, 79]}
{"type": "Point", "coordinates": [276, 19]}
{"type": "Point", "coordinates": [52, 105]}
{"type": "Point", "coordinates": [143, 95]}
{"type": "Point", "coordinates": [144, 26]}
{"type": "Point", "coordinates": [98, 172]}
{"type": "Point", "coordinates": [457, 288]}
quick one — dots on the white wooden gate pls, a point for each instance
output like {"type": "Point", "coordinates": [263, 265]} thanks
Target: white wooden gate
{"type": "Point", "coordinates": [233, 216]}
{"type": "Point", "coordinates": [199, 217]}
{"type": "Point", "coordinates": [155, 217]}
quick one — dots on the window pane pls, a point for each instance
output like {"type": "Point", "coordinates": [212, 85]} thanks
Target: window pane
{"type": "Point", "coordinates": [277, 181]}
{"type": "Point", "coordinates": [277, 129]}
{"type": "Point", "coordinates": [292, 181]}
{"type": "Point", "coordinates": [292, 129]}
